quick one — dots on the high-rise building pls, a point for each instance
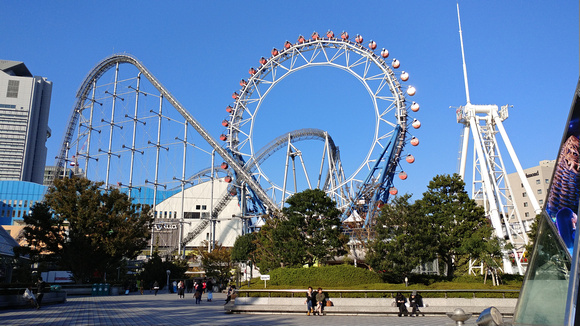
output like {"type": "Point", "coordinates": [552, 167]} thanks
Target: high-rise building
{"type": "Point", "coordinates": [24, 109]}
{"type": "Point", "coordinates": [539, 179]}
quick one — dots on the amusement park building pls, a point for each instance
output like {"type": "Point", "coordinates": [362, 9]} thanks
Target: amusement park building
{"type": "Point", "coordinates": [24, 109]}
{"type": "Point", "coordinates": [539, 179]}
{"type": "Point", "coordinates": [194, 204]}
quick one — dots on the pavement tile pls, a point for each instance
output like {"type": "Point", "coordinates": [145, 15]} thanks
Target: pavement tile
{"type": "Point", "coordinates": [169, 309]}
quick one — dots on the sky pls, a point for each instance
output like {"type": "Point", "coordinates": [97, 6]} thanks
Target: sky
{"type": "Point", "coordinates": [521, 53]}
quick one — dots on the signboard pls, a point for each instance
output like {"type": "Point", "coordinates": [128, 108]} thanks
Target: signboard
{"type": "Point", "coordinates": [265, 277]}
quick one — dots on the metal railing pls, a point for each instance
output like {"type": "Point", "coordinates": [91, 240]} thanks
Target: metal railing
{"type": "Point", "coordinates": [365, 293]}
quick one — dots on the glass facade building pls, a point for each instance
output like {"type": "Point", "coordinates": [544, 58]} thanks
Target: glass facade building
{"type": "Point", "coordinates": [24, 109]}
{"type": "Point", "coordinates": [16, 199]}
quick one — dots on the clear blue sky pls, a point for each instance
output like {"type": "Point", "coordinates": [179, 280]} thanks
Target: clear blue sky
{"type": "Point", "coordinates": [522, 53]}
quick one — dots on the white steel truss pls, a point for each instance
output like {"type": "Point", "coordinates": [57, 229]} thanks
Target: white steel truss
{"type": "Point", "coordinates": [490, 186]}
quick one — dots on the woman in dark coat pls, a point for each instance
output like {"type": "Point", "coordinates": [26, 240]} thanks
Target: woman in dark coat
{"type": "Point", "coordinates": [401, 300]}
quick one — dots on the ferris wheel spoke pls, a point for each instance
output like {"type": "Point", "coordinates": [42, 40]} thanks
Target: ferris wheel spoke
{"type": "Point", "coordinates": [341, 52]}
{"type": "Point", "coordinates": [368, 68]}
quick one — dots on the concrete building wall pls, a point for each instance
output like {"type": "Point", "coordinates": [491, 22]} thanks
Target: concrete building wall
{"type": "Point", "coordinates": [196, 205]}
{"type": "Point", "coordinates": [539, 179]}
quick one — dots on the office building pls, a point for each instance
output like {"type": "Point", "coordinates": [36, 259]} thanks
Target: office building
{"type": "Point", "coordinates": [24, 109]}
{"type": "Point", "coordinates": [539, 179]}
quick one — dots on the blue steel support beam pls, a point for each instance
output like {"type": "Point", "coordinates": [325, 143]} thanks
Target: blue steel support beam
{"type": "Point", "coordinates": [389, 163]}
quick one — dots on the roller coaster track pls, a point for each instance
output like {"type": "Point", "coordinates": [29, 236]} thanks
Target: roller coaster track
{"type": "Point", "coordinates": [263, 154]}
{"type": "Point", "coordinates": [116, 59]}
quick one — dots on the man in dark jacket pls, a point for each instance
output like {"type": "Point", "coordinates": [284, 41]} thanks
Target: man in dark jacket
{"type": "Point", "coordinates": [40, 289]}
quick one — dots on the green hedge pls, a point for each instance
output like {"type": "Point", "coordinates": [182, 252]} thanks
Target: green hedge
{"type": "Point", "coordinates": [327, 276]}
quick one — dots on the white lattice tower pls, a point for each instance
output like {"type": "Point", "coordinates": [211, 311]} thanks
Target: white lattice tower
{"type": "Point", "coordinates": [490, 185]}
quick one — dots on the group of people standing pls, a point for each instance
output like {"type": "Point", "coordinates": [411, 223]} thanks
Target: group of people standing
{"type": "Point", "coordinates": [415, 301]}
{"type": "Point", "coordinates": [315, 302]}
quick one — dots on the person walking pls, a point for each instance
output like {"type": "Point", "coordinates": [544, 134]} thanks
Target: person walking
{"type": "Point", "coordinates": [181, 289]}
{"type": "Point", "coordinates": [209, 286]}
{"type": "Point", "coordinates": [321, 300]}
{"type": "Point", "coordinates": [156, 287]}
{"type": "Point", "coordinates": [40, 289]}
{"type": "Point", "coordinates": [310, 301]}
{"type": "Point", "coordinates": [401, 300]}
{"type": "Point", "coordinates": [198, 292]}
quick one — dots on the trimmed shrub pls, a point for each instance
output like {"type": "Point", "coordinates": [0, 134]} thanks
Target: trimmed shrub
{"type": "Point", "coordinates": [327, 276]}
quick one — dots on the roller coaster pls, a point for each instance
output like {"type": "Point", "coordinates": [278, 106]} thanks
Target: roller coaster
{"type": "Point", "coordinates": [127, 130]}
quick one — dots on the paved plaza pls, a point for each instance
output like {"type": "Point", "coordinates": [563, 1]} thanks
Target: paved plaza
{"type": "Point", "coordinates": [169, 309]}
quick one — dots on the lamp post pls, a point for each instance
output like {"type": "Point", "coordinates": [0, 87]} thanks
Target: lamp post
{"type": "Point", "coordinates": [168, 272]}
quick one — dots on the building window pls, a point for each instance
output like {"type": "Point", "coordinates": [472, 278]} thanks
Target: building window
{"type": "Point", "coordinates": [197, 207]}
{"type": "Point", "coordinates": [524, 195]}
{"type": "Point", "coordinates": [203, 207]}
{"type": "Point", "coordinates": [541, 202]}
{"type": "Point", "coordinates": [539, 191]}
{"type": "Point", "coordinates": [527, 214]}
{"type": "Point", "coordinates": [191, 215]}
{"type": "Point", "coordinates": [547, 181]}
{"type": "Point", "coordinates": [12, 90]}
{"type": "Point", "coordinates": [521, 184]}
{"type": "Point", "coordinates": [526, 204]}
{"type": "Point", "coordinates": [538, 182]}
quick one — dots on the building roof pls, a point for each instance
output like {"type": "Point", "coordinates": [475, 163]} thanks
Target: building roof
{"type": "Point", "coordinates": [15, 68]}
{"type": "Point", "coordinates": [7, 243]}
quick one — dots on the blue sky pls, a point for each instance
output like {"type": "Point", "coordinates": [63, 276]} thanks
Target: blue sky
{"type": "Point", "coordinates": [522, 53]}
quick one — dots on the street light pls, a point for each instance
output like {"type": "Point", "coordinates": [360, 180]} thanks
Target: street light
{"type": "Point", "coordinates": [168, 272]}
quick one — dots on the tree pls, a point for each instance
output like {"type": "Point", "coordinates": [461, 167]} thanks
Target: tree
{"type": "Point", "coordinates": [316, 221]}
{"type": "Point", "coordinates": [278, 245]}
{"type": "Point", "coordinates": [155, 269]}
{"type": "Point", "coordinates": [458, 224]}
{"type": "Point", "coordinates": [400, 242]}
{"type": "Point", "coordinates": [532, 235]}
{"type": "Point", "coordinates": [308, 232]}
{"type": "Point", "coordinates": [244, 248]}
{"type": "Point", "coordinates": [218, 263]}
{"type": "Point", "coordinates": [86, 229]}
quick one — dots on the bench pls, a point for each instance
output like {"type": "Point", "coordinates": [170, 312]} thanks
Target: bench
{"type": "Point", "coordinates": [17, 300]}
{"type": "Point", "coordinates": [367, 306]}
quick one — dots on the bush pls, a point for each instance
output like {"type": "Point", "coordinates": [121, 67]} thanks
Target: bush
{"type": "Point", "coordinates": [326, 276]}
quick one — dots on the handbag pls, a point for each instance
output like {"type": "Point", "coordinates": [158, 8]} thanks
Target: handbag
{"type": "Point", "coordinates": [329, 303]}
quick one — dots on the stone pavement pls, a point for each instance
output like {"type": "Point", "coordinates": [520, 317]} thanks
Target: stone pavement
{"type": "Point", "coordinates": [168, 309]}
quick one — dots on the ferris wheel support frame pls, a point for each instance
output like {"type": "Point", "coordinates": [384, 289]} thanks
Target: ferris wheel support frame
{"type": "Point", "coordinates": [486, 151]}
{"type": "Point", "coordinates": [386, 179]}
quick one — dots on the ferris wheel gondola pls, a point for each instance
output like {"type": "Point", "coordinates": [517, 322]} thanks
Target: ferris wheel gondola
{"type": "Point", "coordinates": [391, 110]}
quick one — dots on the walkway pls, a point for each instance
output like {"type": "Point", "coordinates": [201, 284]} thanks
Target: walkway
{"type": "Point", "coordinates": [168, 309]}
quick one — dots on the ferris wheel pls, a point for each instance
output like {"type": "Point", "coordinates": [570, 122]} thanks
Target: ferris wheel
{"type": "Point", "coordinates": [373, 69]}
